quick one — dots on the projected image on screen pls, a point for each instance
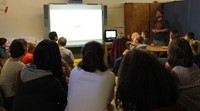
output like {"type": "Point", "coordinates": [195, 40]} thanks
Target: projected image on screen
{"type": "Point", "coordinates": [78, 23]}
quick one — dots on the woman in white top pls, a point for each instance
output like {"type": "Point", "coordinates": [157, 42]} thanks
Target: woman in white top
{"type": "Point", "coordinates": [91, 85]}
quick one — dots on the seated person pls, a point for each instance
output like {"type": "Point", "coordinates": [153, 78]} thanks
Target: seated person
{"type": "Point", "coordinates": [66, 54]}
{"type": "Point", "coordinates": [195, 45]}
{"type": "Point", "coordinates": [41, 86]}
{"type": "Point", "coordinates": [174, 34]}
{"type": "Point", "coordinates": [11, 69]}
{"type": "Point", "coordinates": [3, 44]}
{"type": "Point", "coordinates": [146, 36]}
{"type": "Point", "coordinates": [137, 43]}
{"type": "Point", "coordinates": [91, 84]}
{"type": "Point", "coordinates": [189, 36]}
{"type": "Point", "coordinates": [181, 62]}
{"type": "Point", "coordinates": [28, 58]}
{"type": "Point", "coordinates": [145, 85]}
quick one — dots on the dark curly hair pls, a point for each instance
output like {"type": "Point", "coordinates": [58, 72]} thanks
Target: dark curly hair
{"type": "Point", "coordinates": [144, 83]}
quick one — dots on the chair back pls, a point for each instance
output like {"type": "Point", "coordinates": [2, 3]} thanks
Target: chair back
{"type": "Point", "coordinates": [2, 97]}
{"type": "Point", "coordinates": [118, 47]}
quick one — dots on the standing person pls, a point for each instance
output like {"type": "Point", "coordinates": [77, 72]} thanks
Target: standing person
{"type": "Point", "coordinates": [66, 54]}
{"type": "Point", "coordinates": [145, 85]}
{"type": "Point", "coordinates": [3, 44]}
{"type": "Point", "coordinates": [53, 36]}
{"type": "Point", "coordinates": [41, 86]}
{"type": "Point", "coordinates": [11, 69]}
{"type": "Point", "coordinates": [91, 85]}
{"type": "Point", "coordinates": [160, 29]}
{"type": "Point", "coordinates": [181, 61]}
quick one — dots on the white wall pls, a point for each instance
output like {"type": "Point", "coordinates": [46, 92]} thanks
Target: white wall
{"type": "Point", "coordinates": [25, 17]}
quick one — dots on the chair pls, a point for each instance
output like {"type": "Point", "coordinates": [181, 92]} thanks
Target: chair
{"type": "Point", "coordinates": [118, 46]}
{"type": "Point", "coordinates": [2, 97]}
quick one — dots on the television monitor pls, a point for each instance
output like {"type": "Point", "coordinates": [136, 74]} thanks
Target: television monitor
{"type": "Point", "coordinates": [110, 35]}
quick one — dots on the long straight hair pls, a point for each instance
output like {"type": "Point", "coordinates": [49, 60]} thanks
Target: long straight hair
{"type": "Point", "coordinates": [47, 57]}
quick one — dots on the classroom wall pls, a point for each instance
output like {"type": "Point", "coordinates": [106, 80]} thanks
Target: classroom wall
{"type": "Point", "coordinates": [184, 16]}
{"type": "Point", "coordinates": [25, 18]}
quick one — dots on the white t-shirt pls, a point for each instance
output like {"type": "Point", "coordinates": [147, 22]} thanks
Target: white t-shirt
{"type": "Point", "coordinates": [9, 75]}
{"type": "Point", "coordinates": [89, 91]}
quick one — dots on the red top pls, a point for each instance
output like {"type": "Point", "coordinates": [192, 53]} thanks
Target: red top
{"type": "Point", "coordinates": [28, 58]}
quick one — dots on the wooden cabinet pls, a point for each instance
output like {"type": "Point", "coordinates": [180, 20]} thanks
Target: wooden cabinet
{"type": "Point", "coordinates": [139, 17]}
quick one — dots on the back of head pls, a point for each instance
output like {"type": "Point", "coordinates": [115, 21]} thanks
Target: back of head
{"type": "Point", "coordinates": [195, 45]}
{"type": "Point", "coordinates": [31, 47]}
{"type": "Point", "coordinates": [93, 57]}
{"type": "Point", "coordinates": [62, 41]}
{"type": "Point", "coordinates": [2, 41]}
{"type": "Point", "coordinates": [53, 35]}
{"type": "Point", "coordinates": [190, 35]}
{"type": "Point", "coordinates": [175, 36]}
{"type": "Point", "coordinates": [18, 48]}
{"type": "Point", "coordinates": [140, 39]}
{"type": "Point", "coordinates": [47, 56]}
{"type": "Point", "coordinates": [144, 83]}
{"type": "Point", "coordinates": [146, 34]}
{"type": "Point", "coordinates": [180, 53]}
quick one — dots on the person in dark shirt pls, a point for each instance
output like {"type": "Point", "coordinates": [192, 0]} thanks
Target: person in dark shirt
{"type": "Point", "coordinates": [3, 52]}
{"type": "Point", "coordinates": [160, 29]}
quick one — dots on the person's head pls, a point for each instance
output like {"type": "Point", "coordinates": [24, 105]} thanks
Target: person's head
{"type": "Point", "coordinates": [3, 42]}
{"type": "Point", "coordinates": [138, 40]}
{"type": "Point", "coordinates": [53, 36]}
{"type": "Point", "coordinates": [195, 45]}
{"type": "Point", "coordinates": [144, 83]}
{"type": "Point", "coordinates": [93, 57]}
{"type": "Point", "coordinates": [189, 35]}
{"type": "Point", "coordinates": [180, 53]}
{"type": "Point", "coordinates": [62, 41]}
{"type": "Point", "coordinates": [159, 14]}
{"type": "Point", "coordinates": [145, 34]}
{"type": "Point", "coordinates": [18, 48]}
{"type": "Point", "coordinates": [134, 34]}
{"type": "Point", "coordinates": [47, 57]}
{"type": "Point", "coordinates": [31, 47]}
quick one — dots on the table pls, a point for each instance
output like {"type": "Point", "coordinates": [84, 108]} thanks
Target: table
{"type": "Point", "coordinates": [156, 49]}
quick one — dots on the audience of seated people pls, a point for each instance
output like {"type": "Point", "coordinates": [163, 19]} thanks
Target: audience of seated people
{"type": "Point", "coordinates": [28, 58]}
{"type": "Point", "coordinates": [181, 62]}
{"type": "Point", "coordinates": [41, 86]}
{"type": "Point", "coordinates": [91, 84]}
{"type": "Point", "coordinates": [145, 85]}
{"type": "Point", "coordinates": [11, 69]}
{"type": "Point", "coordinates": [3, 52]}
{"type": "Point", "coordinates": [66, 54]}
